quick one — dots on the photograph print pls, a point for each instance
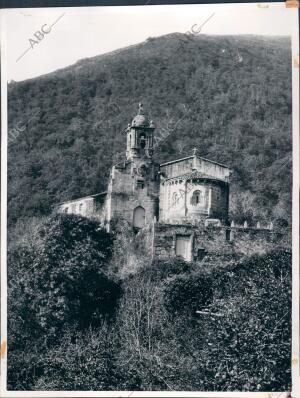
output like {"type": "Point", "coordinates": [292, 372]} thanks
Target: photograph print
{"type": "Point", "coordinates": [147, 199]}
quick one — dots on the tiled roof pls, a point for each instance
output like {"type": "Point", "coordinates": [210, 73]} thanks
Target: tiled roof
{"type": "Point", "coordinates": [194, 174]}
{"type": "Point", "coordinates": [83, 197]}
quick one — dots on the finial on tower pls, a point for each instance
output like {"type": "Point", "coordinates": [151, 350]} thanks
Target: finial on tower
{"type": "Point", "coordinates": [195, 151]}
{"type": "Point", "coordinates": [141, 108]}
{"type": "Point", "coordinates": [141, 119]}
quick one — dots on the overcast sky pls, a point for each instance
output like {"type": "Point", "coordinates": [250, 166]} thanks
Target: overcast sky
{"type": "Point", "coordinates": [85, 32]}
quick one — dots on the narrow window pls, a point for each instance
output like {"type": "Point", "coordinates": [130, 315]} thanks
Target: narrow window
{"type": "Point", "coordinates": [197, 198]}
{"type": "Point", "coordinates": [143, 140]}
{"type": "Point", "coordinates": [228, 234]}
{"type": "Point", "coordinates": [200, 254]}
{"type": "Point", "coordinates": [140, 184]}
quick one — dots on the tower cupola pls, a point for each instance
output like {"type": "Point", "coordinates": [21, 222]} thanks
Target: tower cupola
{"type": "Point", "coordinates": [141, 119]}
{"type": "Point", "coordinates": [140, 136]}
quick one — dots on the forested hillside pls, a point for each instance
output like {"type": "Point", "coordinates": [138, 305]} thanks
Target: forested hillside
{"type": "Point", "coordinates": [228, 96]}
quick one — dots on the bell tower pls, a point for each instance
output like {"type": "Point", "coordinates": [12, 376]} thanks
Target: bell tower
{"type": "Point", "coordinates": [140, 136]}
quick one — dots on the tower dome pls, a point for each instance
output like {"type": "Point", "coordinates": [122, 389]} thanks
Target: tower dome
{"type": "Point", "coordinates": [140, 120]}
{"type": "Point", "coordinates": [140, 136]}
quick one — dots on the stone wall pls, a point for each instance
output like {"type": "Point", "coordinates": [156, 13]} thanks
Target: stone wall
{"type": "Point", "coordinates": [177, 199]}
{"type": "Point", "coordinates": [211, 242]}
{"type": "Point", "coordinates": [88, 206]}
{"type": "Point", "coordinates": [193, 188]}
{"type": "Point", "coordinates": [125, 195]}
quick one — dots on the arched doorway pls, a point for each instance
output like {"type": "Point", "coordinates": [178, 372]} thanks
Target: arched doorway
{"type": "Point", "coordinates": [139, 217]}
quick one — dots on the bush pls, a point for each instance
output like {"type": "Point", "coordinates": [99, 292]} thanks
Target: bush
{"type": "Point", "coordinates": [81, 361]}
{"type": "Point", "coordinates": [166, 269]}
{"type": "Point", "coordinates": [185, 294]}
{"type": "Point", "coordinates": [60, 284]}
{"type": "Point", "coordinates": [160, 270]}
{"type": "Point", "coordinates": [281, 223]}
{"type": "Point", "coordinates": [245, 340]}
{"type": "Point", "coordinates": [69, 283]}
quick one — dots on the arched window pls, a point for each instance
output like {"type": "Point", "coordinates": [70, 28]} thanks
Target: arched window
{"type": "Point", "coordinates": [197, 198]}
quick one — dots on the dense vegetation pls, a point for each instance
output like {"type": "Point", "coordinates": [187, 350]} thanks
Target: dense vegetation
{"type": "Point", "coordinates": [228, 96]}
{"type": "Point", "coordinates": [78, 321]}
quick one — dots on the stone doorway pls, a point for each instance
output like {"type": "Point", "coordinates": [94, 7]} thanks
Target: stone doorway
{"type": "Point", "coordinates": [183, 247]}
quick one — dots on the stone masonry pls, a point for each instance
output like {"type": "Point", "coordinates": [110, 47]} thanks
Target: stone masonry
{"type": "Point", "coordinates": [186, 202]}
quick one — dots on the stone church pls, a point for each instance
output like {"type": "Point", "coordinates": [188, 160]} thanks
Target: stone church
{"type": "Point", "coordinates": [184, 202]}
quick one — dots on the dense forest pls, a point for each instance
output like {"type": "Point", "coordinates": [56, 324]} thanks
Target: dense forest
{"type": "Point", "coordinates": [228, 96]}
{"type": "Point", "coordinates": [81, 319]}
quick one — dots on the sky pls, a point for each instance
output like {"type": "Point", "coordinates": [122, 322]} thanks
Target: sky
{"type": "Point", "coordinates": [83, 32]}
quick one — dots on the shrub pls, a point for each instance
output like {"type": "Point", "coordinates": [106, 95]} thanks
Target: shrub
{"type": "Point", "coordinates": [166, 269]}
{"type": "Point", "coordinates": [60, 284]}
{"type": "Point", "coordinates": [81, 361]}
{"type": "Point", "coordinates": [245, 338]}
{"type": "Point", "coordinates": [68, 281]}
{"type": "Point", "coordinates": [185, 294]}
{"type": "Point", "coordinates": [160, 270]}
